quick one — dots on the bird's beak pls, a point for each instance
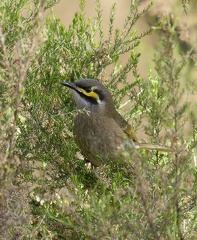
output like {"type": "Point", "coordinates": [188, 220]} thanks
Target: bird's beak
{"type": "Point", "coordinates": [71, 85]}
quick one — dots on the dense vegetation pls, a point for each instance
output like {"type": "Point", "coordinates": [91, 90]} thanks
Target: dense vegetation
{"type": "Point", "coordinates": [46, 190]}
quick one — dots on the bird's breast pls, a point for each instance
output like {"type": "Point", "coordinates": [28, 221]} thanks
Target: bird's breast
{"type": "Point", "coordinates": [97, 137]}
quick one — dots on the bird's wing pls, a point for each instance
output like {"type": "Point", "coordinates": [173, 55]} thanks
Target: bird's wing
{"type": "Point", "coordinates": [125, 126]}
{"type": "Point", "coordinates": [130, 132]}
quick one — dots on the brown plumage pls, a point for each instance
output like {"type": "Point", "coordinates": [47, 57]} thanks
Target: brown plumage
{"type": "Point", "coordinates": [100, 130]}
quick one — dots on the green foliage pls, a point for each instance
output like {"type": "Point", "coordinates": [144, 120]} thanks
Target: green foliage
{"type": "Point", "coordinates": [153, 196]}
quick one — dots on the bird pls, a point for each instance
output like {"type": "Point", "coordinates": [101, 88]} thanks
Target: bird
{"type": "Point", "coordinates": [99, 129]}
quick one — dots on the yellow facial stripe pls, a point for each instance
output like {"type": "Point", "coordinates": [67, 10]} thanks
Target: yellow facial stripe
{"type": "Point", "coordinates": [90, 94]}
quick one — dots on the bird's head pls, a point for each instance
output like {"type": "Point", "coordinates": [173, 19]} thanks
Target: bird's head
{"type": "Point", "coordinates": [91, 95]}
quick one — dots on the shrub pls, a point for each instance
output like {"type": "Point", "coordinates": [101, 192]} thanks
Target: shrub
{"type": "Point", "coordinates": [47, 191]}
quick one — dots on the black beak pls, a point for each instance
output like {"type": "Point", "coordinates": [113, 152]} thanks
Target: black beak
{"type": "Point", "coordinates": [71, 85]}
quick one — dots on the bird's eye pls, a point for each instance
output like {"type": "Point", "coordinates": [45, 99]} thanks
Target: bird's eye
{"type": "Point", "coordinates": [88, 90]}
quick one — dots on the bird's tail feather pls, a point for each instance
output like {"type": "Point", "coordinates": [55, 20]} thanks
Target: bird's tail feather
{"type": "Point", "coordinates": [156, 147]}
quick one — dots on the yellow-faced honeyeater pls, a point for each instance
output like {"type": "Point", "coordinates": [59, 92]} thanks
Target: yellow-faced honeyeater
{"type": "Point", "coordinates": [99, 129]}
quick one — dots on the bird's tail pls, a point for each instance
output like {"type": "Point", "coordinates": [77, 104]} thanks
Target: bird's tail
{"type": "Point", "coordinates": [156, 147]}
